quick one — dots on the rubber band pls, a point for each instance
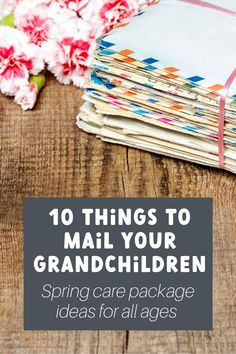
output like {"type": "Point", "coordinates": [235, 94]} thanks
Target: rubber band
{"type": "Point", "coordinates": [223, 97]}
{"type": "Point", "coordinates": [208, 5]}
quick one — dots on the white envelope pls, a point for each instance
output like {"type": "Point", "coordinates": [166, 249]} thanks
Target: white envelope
{"type": "Point", "coordinates": [198, 42]}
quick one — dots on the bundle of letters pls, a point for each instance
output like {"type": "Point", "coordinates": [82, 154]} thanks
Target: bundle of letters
{"type": "Point", "coordinates": [163, 82]}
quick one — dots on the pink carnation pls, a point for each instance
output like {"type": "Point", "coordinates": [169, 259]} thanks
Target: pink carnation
{"type": "Point", "coordinates": [60, 33]}
{"type": "Point", "coordinates": [18, 58]}
{"type": "Point", "coordinates": [26, 96]}
{"type": "Point", "coordinates": [71, 53]}
{"type": "Point", "coordinates": [109, 14]}
{"type": "Point", "coordinates": [39, 20]}
{"type": "Point", "coordinates": [34, 22]}
{"type": "Point", "coordinates": [115, 12]}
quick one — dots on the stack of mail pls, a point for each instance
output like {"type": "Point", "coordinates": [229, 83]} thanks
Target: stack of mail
{"type": "Point", "coordinates": [156, 83]}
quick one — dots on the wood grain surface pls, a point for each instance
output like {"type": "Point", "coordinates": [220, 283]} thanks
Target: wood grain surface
{"type": "Point", "coordinates": [42, 153]}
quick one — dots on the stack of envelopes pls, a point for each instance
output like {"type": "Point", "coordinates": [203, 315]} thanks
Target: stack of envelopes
{"type": "Point", "coordinates": [156, 83]}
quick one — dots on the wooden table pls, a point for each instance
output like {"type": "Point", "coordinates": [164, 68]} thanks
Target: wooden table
{"type": "Point", "coordinates": [44, 154]}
